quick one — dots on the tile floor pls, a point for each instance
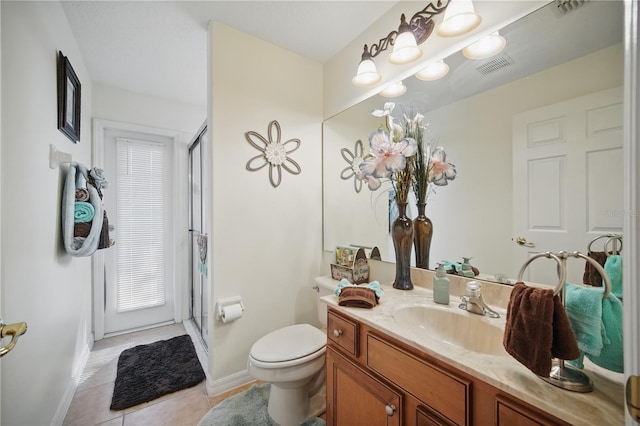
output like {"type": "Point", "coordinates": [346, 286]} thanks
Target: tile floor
{"type": "Point", "coordinates": [90, 404]}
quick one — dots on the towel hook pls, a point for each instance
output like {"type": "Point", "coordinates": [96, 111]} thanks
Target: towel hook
{"type": "Point", "coordinates": [562, 270]}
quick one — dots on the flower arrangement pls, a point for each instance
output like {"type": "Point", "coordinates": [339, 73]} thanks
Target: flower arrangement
{"type": "Point", "coordinates": [400, 154]}
{"type": "Point", "coordinates": [389, 156]}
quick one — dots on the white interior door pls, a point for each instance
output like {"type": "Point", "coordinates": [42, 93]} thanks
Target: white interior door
{"type": "Point", "coordinates": [567, 180]}
{"type": "Point", "coordinates": [139, 267]}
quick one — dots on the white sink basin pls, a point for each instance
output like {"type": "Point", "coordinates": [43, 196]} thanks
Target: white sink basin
{"type": "Point", "coordinates": [453, 326]}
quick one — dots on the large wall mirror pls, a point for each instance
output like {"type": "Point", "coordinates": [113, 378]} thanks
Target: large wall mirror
{"type": "Point", "coordinates": [535, 134]}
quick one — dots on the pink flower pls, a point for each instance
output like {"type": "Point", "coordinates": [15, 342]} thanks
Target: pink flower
{"type": "Point", "coordinates": [440, 171]}
{"type": "Point", "coordinates": [388, 156]}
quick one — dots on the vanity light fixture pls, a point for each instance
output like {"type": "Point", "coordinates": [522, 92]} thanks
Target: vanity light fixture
{"type": "Point", "coordinates": [434, 71]}
{"type": "Point", "coordinates": [486, 47]}
{"type": "Point", "coordinates": [405, 43]}
{"type": "Point", "coordinates": [459, 18]}
{"type": "Point", "coordinates": [394, 90]}
{"type": "Point", "coordinates": [405, 47]}
{"type": "Point", "coordinates": [367, 73]}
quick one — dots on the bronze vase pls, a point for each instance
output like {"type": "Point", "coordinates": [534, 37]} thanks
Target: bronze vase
{"type": "Point", "coordinates": [402, 235]}
{"type": "Point", "coordinates": [422, 233]}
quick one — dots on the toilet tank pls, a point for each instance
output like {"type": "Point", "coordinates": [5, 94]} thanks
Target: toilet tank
{"type": "Point", "coordinates": [324, 286]}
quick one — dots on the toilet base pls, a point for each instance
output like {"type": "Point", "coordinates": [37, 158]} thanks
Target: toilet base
{"type": "Point", "coordinates": [291, 406]}
{"type": "Point", "coordinates": [288, 406]}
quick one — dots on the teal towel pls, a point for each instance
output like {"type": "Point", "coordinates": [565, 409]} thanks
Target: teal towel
{"type": "Point", "coordinates": [613, 268]}
{"type": "Point", "coordinates": [451, 266]}
{"type": "Point", "coordinates": [373, 285]}
{"type": "Point", "coordinates": [83, 212]}
{"type": "Point", "coordinates": [611, 356]}
{"type": "Point", "coordinates": [597, 324]}
{"type": "Point", "coordinates": [584, 309]}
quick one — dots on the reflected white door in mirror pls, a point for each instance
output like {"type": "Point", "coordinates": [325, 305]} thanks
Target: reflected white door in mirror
{"type": "Point", "coordinates": [567, 174]}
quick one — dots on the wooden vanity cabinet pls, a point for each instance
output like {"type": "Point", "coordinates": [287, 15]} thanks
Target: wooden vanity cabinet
{"type": "Point", "coordinates": [373, 379]}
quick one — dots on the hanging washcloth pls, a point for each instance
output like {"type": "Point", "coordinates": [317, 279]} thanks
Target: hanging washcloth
{"type": "Point", "coordinates": [536, 329]}
{"type": "Point", "coordinates": [78, 247]}
{"type": "Point", "coordinates": [613, 268]}
{"type": "Point", "coordinates": [597, 324]}
{"type": "Point", "coordinates": [591, 275]}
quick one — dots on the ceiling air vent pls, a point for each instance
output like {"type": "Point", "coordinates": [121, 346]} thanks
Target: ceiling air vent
{"type": "Point", "coordinates": [565, 6]}
{"type": "Point", "coordinates": [496, 64]}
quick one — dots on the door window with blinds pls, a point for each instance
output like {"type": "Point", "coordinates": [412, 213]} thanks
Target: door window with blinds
{"type": "Point", "coordinates": [142, 236]}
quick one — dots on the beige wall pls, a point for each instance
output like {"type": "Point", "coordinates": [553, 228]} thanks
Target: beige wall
{"type": "Point", "coordinates": [42, 285]}
{"type": "Point", "coordinates": [265, 241]}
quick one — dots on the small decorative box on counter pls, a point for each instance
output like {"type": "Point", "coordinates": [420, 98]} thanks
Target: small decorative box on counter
{"type": "Point", "coordinates": [351, 263]}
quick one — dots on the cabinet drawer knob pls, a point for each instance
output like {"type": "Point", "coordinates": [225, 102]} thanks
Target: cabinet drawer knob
{"type": "Point", "coordinates": [337, 333]}
{"type": "Point", "coordinates": [390, 410]}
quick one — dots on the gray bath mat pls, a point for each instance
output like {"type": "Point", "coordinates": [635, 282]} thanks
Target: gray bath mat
{"type": "Point", "coordinates": [248, 408]}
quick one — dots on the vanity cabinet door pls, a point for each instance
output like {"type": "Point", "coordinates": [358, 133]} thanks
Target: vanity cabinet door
{"type": "Point", "coordinates": [426, 417]}
{"type": "Point", "coordinates": [510, 413]}
{"type": "Point", "coordinates": [354, 398]}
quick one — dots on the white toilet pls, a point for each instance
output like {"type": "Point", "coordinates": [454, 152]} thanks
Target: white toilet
{"type": "Point", "coordinates": [292, 359]}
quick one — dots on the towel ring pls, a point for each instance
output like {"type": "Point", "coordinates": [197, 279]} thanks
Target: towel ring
{"type": "Point", "coordinates": [615, 239]}
{"type": "Point", "coordinates": [562, 270]}
{"type": "Point", "coordinates": [605, 277]}
{"type": "Point", "coordinates": [610, 237]}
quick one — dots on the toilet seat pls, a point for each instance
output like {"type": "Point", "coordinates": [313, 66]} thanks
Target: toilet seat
{"type": "Point", "coordinates": [288, 346]}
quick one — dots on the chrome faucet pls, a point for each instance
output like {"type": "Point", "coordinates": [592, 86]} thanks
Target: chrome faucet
{"type": "Point", "coordinates": [472, 301]}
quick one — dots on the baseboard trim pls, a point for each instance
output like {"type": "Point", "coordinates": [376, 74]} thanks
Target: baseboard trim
{"type": "Point", "coordinates": [224, 384]}
{"type": "Point", "coordinates": [76, 375]}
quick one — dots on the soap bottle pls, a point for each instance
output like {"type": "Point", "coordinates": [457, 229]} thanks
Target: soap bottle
{"type": "Point", "coordinates": [441, 286]}
{"type": "Point", "coordinates": [466, 270]}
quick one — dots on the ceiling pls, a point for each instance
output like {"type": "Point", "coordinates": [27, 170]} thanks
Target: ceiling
{"type": "Point", "coordinates": [159, 48]}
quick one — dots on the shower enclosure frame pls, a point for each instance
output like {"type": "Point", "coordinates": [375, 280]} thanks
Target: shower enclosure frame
{"type": "Point", "coordinates": [198, 291]}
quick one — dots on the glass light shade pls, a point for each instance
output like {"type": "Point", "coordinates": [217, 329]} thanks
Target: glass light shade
{"type": "Point", "coordinates": [393, 90]}
{"type": "Point", "coordinates": [485, 47]}
{"type": "Point", "coordinates": [459, 18]}
{"type": "Point", "coordinates": [405, 49]}
{"type": "Point", "coordinates": [367, 74]}
{"type": "Point", "coordinates": [434, 71]}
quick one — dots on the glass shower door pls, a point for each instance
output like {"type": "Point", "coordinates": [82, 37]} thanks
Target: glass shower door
{"type": "Point", "coordinates": [198, 236]}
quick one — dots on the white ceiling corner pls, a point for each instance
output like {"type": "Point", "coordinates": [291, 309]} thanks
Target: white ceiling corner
{"type": "Point", "coordinates": [159, 48]}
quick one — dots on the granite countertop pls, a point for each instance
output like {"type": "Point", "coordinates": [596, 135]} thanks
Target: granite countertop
{"type": "Point", "coordinates": [604, 405]}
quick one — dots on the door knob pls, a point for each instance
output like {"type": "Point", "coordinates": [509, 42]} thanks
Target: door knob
{"type": "Point", "coordinates": [522, 241]}
{"type": "Point", "coordinates": [15, 331]}
{"type": "Point", "coordinates": [390, 409]}
{"type": "Point", "coordinates": [633, 397]}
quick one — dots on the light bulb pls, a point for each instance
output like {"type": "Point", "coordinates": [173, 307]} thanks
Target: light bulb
{"type": "Point", "coordinates": [434, 71]}
{"type": "Point", "coordinates": [459, 18]}
{"type": "Point", "coordinates": [393, 90]}
{"type": "Point", "coordinates": [485, 47]}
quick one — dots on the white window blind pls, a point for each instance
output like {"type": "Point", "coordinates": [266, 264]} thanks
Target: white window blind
{"type": "Point", "coordinates": [141, 239]}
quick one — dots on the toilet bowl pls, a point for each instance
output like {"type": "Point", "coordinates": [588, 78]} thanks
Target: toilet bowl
{"type": "Point", "coordinates": [292, 359]}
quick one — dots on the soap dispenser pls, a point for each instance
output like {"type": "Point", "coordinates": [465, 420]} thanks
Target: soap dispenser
{"type": "Point", "coordinates": [466, 270]}
{"type": "Point", "coordinates": [441, 286]}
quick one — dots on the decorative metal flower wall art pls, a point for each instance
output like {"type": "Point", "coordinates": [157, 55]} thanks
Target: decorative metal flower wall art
{"type": "Point", "coordinates": [273, 153]}
{"type": "Point", "coordinates": [354, 159]}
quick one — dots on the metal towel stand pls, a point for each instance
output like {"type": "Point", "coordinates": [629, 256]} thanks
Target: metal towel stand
{"type": "Point", "coordinates": [564, 376]}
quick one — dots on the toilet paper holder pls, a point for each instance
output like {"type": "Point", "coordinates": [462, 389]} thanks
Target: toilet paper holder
{"type": "Point", "coordinates": [228, 301]}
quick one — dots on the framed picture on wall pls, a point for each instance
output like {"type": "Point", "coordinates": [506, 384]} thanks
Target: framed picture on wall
{"type": "Point", "coordinates": [68, 99]}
